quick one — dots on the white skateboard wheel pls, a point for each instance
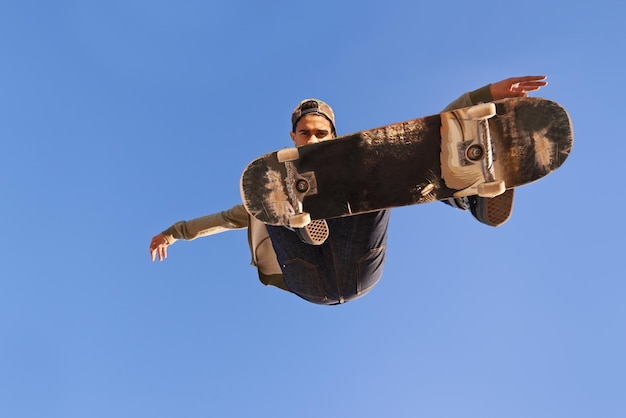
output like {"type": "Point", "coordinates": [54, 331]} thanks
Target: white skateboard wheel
{"type": "Point", "coordinates": [491, 189]}
{"type": "Point", "coordinates": [287, 154]}
{"type": "Point", "coordinates": [300, 220]}
{"type": "Point", "coordinates": [481, 111]}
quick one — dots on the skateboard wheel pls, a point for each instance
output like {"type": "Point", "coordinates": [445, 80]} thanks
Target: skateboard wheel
{"type": "Point", "coordinates": [287, 154]}
{"type": "Point", "coordinates": [491, 189]}
{"type": "Point", "coordinates": [300, 220]}
{"type": "Point", "coordinates": [481, 111]}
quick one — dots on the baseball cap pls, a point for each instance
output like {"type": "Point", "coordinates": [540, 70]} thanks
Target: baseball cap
{"type": "Point", "coordinates": [315, 106]}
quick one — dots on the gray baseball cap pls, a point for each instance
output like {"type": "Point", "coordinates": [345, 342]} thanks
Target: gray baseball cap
{"type": "Point", "coordinates": [314, 106]}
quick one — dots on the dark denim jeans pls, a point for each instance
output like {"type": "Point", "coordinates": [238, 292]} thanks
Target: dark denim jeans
{"type": "Point", "coordinates": [344, 268]}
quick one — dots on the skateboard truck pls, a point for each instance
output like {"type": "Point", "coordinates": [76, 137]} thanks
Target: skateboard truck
{"type": "Point", "coordinates": [483, 151]}
{"type": "Point", "coordinates": [298, 185]}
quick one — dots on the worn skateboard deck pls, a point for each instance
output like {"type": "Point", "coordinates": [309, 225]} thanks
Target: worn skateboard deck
{"type": "Point", "coordinates": [458, 153]}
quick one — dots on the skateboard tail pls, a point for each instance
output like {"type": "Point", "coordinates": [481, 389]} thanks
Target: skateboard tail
{"type": "Point", "coordinates": [271, 201]}
{"type": "Point", "coordinates": [534, 138]}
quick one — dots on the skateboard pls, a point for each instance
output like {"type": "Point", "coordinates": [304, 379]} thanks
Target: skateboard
{"type": "Point", "coordinates": [480, 150]}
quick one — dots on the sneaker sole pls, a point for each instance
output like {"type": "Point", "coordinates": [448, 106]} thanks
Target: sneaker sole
{"type": "Point", "coordinates": [496, 210]}
{"type": "Point", "coordinates": [314, 233]}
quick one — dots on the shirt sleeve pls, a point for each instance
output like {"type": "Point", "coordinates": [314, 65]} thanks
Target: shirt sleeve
{"type": "Point", "coordinates": [234, 218]}
{"type": "Point", "coordinates": [481, 95]}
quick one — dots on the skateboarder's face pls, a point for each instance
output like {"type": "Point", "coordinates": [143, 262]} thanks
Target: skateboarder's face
{"type": "Point", "coordinates": [311, 129]}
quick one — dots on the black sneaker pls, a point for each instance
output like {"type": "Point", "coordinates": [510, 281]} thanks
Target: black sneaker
{"type": "Point", "coordinates": [314, 233]}
{"type": "Point", "coordinates": [492, 211]}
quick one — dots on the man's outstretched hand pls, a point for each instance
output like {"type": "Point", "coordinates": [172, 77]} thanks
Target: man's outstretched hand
{"type": "Point", "coordinates": [158, 246]}
{"type": "Point", "coordinates": [517, 86]}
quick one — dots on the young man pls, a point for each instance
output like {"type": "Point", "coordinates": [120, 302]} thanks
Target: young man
{"type": "Point", "coordinates": [350, 256]}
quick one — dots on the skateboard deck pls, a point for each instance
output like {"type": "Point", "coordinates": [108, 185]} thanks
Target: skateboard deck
{"type": "Point", "coordinates": [483, 149]}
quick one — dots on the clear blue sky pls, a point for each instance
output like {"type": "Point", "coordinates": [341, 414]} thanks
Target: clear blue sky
{"type": "Point", "coordinates": [120, 117]}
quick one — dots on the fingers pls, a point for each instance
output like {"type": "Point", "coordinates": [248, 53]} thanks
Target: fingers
{"type": "Point", "coordinates": [158, 246]}
{"type": "Point", "coordinates": [528, 83]}
{"type": "Point", "coordinates": [160, 250]}
{"type": "Point", "coordinates": [528, 78]}
{"type": "Point", "coordinates": [528, 86]}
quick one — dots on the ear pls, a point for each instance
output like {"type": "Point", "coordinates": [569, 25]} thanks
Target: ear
{"type": "Point", "coordinates": [293, 136]}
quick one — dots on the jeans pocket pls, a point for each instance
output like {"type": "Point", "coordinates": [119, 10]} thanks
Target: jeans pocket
{"type": "Point", "coordinates": [303, 279]}
{"type": "Point", "coordinates": [370, 269]}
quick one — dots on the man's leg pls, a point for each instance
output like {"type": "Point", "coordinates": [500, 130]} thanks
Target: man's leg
{"type": "Point", "coordinates": [346, 266]}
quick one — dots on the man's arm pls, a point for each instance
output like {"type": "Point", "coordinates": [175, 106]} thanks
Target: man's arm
{"type": "Point", "coordinates": [234, 218]}
{"type": "Point", "coordinates": [511, 87]}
